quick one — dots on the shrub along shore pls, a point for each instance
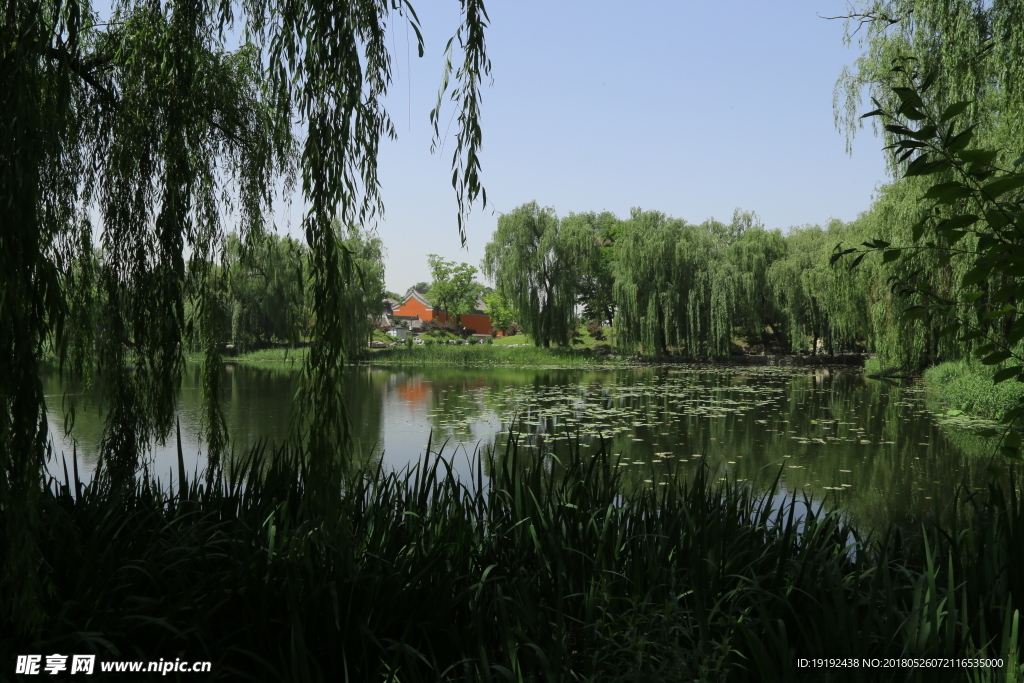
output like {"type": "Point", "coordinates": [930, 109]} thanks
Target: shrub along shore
{"type": "Point", "coordinates": [489, 355]}
{"type": "Point", "coordinates": [968, 386]}
{"type": "Point", "coordinates": [547, 571]}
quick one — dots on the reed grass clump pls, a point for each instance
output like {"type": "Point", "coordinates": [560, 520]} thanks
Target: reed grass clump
{"type": "Point", "coordinates": [547, 570]}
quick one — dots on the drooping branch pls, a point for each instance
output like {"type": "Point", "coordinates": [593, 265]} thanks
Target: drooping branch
{"type": "Point", "coordinates": [85, 70]}
{"type": "Point", "coordinates": [870, 18]}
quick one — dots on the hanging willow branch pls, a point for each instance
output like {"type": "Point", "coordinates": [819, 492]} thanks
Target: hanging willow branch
{"type": "Point", "coordinates": [146, 123]}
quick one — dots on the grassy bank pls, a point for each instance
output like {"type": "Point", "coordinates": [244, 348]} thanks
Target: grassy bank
{"type": "Point", "coordinates": [968, 386]}
{"type": "Point", "coordinates": [470, 355]}
{"type": "Point", "coordinates": [483, 355]}
{"type": "Point", "coordinates": [547, 573]}
{"type": "Point", "coordinates": [291, 357]}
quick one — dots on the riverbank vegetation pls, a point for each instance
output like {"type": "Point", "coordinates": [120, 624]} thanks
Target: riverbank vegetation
{"type": "Point", "coordinates": [534, 570]}
{"type": "Point", "coordinates": [968, 386]}
{"type": "Point", "coordinates": [128, 141]}
{"type": "Point", "coordinates": [669, 287]}
{"type": "Point", "coordinates": [482, 355]}
{"type": "Point", "coordinates": [953, 236]}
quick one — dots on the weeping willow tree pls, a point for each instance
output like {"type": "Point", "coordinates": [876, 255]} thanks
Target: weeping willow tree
{"type": "Point", "coordinates": [692, 287]}
{"type": "Point", "coordinates": [677, 287]}
{"type": "Point", "coordinates": [975, 48]}
{"type": "Point", "coordinates": [141, 134]}
{"type": "Point", "coordinates": [824, 308]}
{"type": "Point", "coordinates": [265, 291]}
{"type": "Point", "coordinates": [597, 280]}
{"type": "Point", "coordinates": [898, 340]}
{"type": "Point", "coordinates": [536, 262]}
{"type": "Point", "coordinates": [975, 52]}
{"type": "Point", "coordinates": [757, 305]}
{"type": "Point", "coordinates": [364, 291]}
{"type": "Point", "coordinates": [645, 264]}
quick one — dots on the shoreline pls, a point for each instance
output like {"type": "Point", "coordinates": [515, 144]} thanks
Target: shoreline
{"type": "Point", "coordinates": [532, 356]}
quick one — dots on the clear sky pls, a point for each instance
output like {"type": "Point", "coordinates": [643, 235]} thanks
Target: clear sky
{"type": "Point", "coordinates": [689, 108]}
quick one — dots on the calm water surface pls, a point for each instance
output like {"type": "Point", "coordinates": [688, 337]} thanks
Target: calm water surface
{"type": "Point", "coordinates": [882, 452]}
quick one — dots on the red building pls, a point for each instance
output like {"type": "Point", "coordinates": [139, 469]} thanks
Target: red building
{"type": "Point", "coordinates": [416, 306]}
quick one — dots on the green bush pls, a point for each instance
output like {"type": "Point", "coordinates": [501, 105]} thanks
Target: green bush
{"type": "Point", "coordinates": [968, 386]}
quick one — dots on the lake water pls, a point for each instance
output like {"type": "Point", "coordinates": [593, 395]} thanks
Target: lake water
{"type": "Point", "coordinates": [882, 452]}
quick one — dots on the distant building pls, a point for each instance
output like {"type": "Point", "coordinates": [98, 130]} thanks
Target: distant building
{"type": "Point", "coordinates": [415, 306]}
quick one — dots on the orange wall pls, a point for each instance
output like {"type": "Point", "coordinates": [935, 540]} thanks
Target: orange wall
{"type": "Point", "coordinates": [480, 322]}
{"type": "Point", "coordinates": [477, 321]}
{"type": "Point", "coordinates": [414, 307]}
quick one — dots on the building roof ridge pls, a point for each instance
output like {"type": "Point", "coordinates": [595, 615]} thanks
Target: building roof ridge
{"type": "Point", "coordinates": [413, 294]}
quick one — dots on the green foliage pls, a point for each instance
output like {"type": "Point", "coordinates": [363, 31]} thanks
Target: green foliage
{"type": "Point", "coordinates": [499, 310]}
{"type": "Point", "coordinates": [551, 569]}
{"type": "Point", "coordinates": [287, 357]}
{"type": "Point", "coordinates": [266, 290]}
{"type": "Point", "coordinates": [972, 107]}
{"type": "Point", "coordinates": [145, 121]}
{"type": "Point", "coordinates": [363, 291]}
{"type": "Point", "coordinates": [537, 262]}
{"type": "Point", "coordinates": [488, 355]}
{"type": "Point", "coordinates": [692, 288]}
{"type": "Point", "coordinates": [749, 255]}
{"type": "Point", "coordinates": [969, 231]}
{"type": "Point", "coordinates": [514, 339]}
{"type": "Point", "coordinates": [673, 287]}
{"type": "Point", "coordinates": [597, 283]}
{"type": "Point", "coordinates": [974, 48]}
{"type": "Point", "coordinates": [654, 290]}
{"type": "Point", "coordinates": [968, 386]}
{"type": "Point", "coordinates": [815, 302]}
{"type": "Point", "coordinates": [453, 289]}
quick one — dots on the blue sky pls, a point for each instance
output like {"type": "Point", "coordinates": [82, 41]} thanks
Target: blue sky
{"type": "Point", "coordinates": [689, 108]}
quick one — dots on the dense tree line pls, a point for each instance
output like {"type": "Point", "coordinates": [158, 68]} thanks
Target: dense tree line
{"type": "Point", "coordinates": [262, 296]}
{"type": "Point", "coordinates": [259, 294]}
{"type": "Point", "coordinates": [669, 286]}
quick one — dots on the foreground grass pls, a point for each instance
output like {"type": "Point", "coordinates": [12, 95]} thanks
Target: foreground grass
{"type": "Point", "coordinates": [486, 355]}
{"type": "Point", "coordinates": [545, 573]}
{"type": "Point", "coordinates": [968, 386]}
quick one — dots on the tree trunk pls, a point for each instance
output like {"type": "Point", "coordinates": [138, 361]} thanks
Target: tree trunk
{"type": "Point", "coordinates": [778, 338]}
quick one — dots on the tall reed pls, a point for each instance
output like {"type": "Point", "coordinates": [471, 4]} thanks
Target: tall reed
{"type": "Point", "coordinates": [547, 570]}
